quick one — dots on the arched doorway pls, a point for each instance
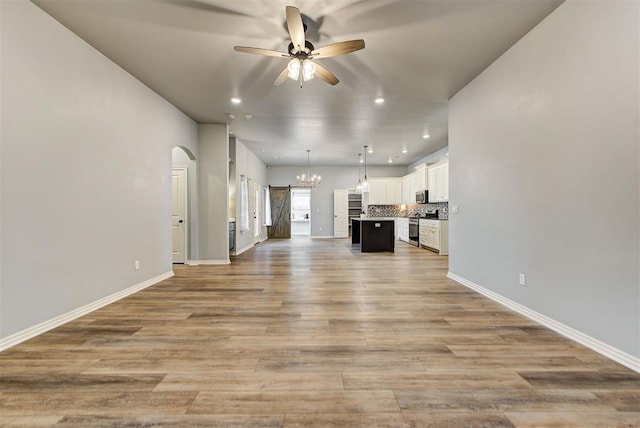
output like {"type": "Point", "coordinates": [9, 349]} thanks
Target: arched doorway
{"type": "Point", "coordinates": [183, 203]}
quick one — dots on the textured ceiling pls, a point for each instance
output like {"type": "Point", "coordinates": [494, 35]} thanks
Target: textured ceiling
{"type": "Point", "coordinates": [418, 54]}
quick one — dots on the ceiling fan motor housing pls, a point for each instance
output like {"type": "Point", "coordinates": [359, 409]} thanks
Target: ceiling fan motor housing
{"type": "Point", "coordinates": [308, 48]}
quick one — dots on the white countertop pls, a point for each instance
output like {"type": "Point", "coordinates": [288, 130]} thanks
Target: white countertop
{"type": "Point", "coordinates": [375, 218]}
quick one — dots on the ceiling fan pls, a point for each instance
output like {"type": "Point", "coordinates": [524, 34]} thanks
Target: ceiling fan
{"type": "Point", "coordinates": [303, 54]}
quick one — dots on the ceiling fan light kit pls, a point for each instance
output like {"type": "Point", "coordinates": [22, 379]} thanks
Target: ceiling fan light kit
{"type": "Point", "coordinates": [302, 67]}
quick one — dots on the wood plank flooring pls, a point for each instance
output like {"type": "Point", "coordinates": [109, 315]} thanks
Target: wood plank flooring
{"type": "Point", "coordinates": [302, 333]}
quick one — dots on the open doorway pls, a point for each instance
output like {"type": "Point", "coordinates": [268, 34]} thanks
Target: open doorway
{"type": "Point", "coordinates": [183, 170]}
{"type": "Point", "coordinates": [301, 212]}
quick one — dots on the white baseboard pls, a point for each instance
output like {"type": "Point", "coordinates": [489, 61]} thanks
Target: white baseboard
{"type": "Point", "coordinates": [242, 250]}
{"type": "Point", "coordinates": [208, 262]}
{"type": "Point", "coordinates": [325, 237]}
{"type": "Point", "coordinates": [602, 348]}
{"type": "Point", "coordinates": [45, 326]}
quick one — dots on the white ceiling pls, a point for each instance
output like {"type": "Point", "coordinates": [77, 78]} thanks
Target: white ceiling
{"type": "Point", "coordinates": [418, 54]}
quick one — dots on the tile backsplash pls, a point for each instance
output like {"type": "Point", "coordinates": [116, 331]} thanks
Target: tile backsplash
{"type": "Point", "coordinates": [408, 210]}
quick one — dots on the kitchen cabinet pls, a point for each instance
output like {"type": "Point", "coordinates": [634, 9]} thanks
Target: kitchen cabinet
{"type": "Point", "coordinates": [409, 189]}
{"type": "Point", "coordinates": [434, 235]}
{"type": "Point", "coordinates": [438, 179]}
{"type": "Point", "coordinates": [377, 191]}
{"type": "Point", "coordinates": [373, 235]}
{"type": "Point", "coordinates": [385, 190]}
{"type": "Point", "coordinates": [402, 224]}
{"type": "Point", "coordinates": [414, 182]}
{"type": "Point", "coordinates": [421, 178]}
{"type": "Point", "coordinates": [394, 190]}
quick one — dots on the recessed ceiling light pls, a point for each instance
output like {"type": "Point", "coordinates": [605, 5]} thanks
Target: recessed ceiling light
{"type": "Point", "coordinates": [425, 135]}
{"type": "Point", "coordinates": [390, 160]}
{"type": "Point", "coordinates": [236, 100]}
{"type": "Point", "coordinates": [262, 150]}
{"type": "Point", "coordinates": [404, 150]}
{"type": "Point", "coordinates": [379, 100]}
{"type": "Point", "coordinates": [231, 116]}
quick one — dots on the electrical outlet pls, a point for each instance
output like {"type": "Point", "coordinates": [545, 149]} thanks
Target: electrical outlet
{"type": "Point", "coordinates": [136, 264]}
{"type": "Point", "coordinates": [523, 280]}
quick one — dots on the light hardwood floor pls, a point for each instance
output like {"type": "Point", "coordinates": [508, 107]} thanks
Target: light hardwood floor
{"type": "Point", "coordinates": [308, 332]}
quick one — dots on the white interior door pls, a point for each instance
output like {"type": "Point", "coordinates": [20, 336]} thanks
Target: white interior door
{"type": "Point", "coordinates": [340, 213]}
{"type": "Point", "coordinates": [179, 214]}
{"type": "Point", "coordinates": [257, 213]}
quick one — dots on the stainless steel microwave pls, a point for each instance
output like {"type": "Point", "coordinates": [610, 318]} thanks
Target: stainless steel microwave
{"type": "Point", "coordinates": [422, 197]}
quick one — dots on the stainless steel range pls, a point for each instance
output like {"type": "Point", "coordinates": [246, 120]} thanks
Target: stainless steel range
{"type": "Point", "coordinates": [414, 226]}
{"type": "Point", "coordinates": [414, 231]}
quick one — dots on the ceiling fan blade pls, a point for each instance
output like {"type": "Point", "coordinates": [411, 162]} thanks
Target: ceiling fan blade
{"type": "Point", "coordinates": [259, 51]}
{"type": "Point", "coordinates": [340, 48]}
{"type": "Point", "coordinates": [325, 74]}
{"type": "Point", "coordinates": [295, 27]}
{"type": "Point", "coordinates": [282, 77]}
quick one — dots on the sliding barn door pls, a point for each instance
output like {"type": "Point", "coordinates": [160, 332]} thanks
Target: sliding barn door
{"type": "Point", "coordinates": [280, 213]}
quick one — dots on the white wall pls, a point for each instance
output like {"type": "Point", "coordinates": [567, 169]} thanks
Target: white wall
{"type": "Point", "coordinates": [544, 165]}
{"type": "Point", "coordinates": [86, 164]}
{"type": "Point", "coordinates": [213, 198]}
{"type": "Point", "coordinates": [333, 177]}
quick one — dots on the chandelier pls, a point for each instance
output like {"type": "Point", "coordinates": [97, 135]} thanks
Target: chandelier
{"type": "Point", "coordinates": [307, 180]}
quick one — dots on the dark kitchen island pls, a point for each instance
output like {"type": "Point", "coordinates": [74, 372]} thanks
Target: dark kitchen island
{"type": "Point", "coordinates": [373, 235]}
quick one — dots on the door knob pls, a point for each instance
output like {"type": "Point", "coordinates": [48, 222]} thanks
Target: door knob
{"type": "Point", "coordinates": [180, 221]}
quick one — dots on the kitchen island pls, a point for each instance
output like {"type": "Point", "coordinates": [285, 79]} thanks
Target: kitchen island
{"type": "Point", "coordinates": [373, 235]}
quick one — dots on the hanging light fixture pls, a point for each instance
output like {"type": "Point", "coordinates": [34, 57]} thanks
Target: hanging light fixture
{"type": "Point", "coordinates": [359, 185]}
{"type": "Point", "coordinates": [365, 184]}
{"type": "Point", "coordinates": [301, 70]}
{"type": "Point", "coordinates": [307, 180]}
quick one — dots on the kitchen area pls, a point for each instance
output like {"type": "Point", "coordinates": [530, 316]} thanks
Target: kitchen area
{"type": "Point", "coordinates": [416, 204]}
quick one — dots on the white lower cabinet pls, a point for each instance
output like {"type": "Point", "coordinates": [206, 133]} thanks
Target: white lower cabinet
{"type": "Point", "coordinates": [402, 224]}
{"type": "Point", "coordinates": [434, 235]}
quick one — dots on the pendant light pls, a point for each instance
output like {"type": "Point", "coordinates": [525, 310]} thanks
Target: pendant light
{"type": "Point", "coordinates": [365, 183]}
{"type": "Point", "coordinates": [359, 185]}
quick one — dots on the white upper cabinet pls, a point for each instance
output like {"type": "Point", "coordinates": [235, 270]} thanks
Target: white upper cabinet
{"type": "Point", "coordinates": [394, 190]}
{"type": "Point", "coordinates": [409, 188]}
{"type": "Point", "coordinates": [422, 182]}
{"type": "Point", "coordinates": [377, 191]}
{"type": "Point", "coordinates": [438, 179]}
{"type": "Point", "coordinates": [385, 190]}
{"type": "Point", "coordinates": [414, 182]}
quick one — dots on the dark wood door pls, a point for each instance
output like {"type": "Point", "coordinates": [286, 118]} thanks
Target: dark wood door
{"type": "Point", "coordinates": [280, 213]}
